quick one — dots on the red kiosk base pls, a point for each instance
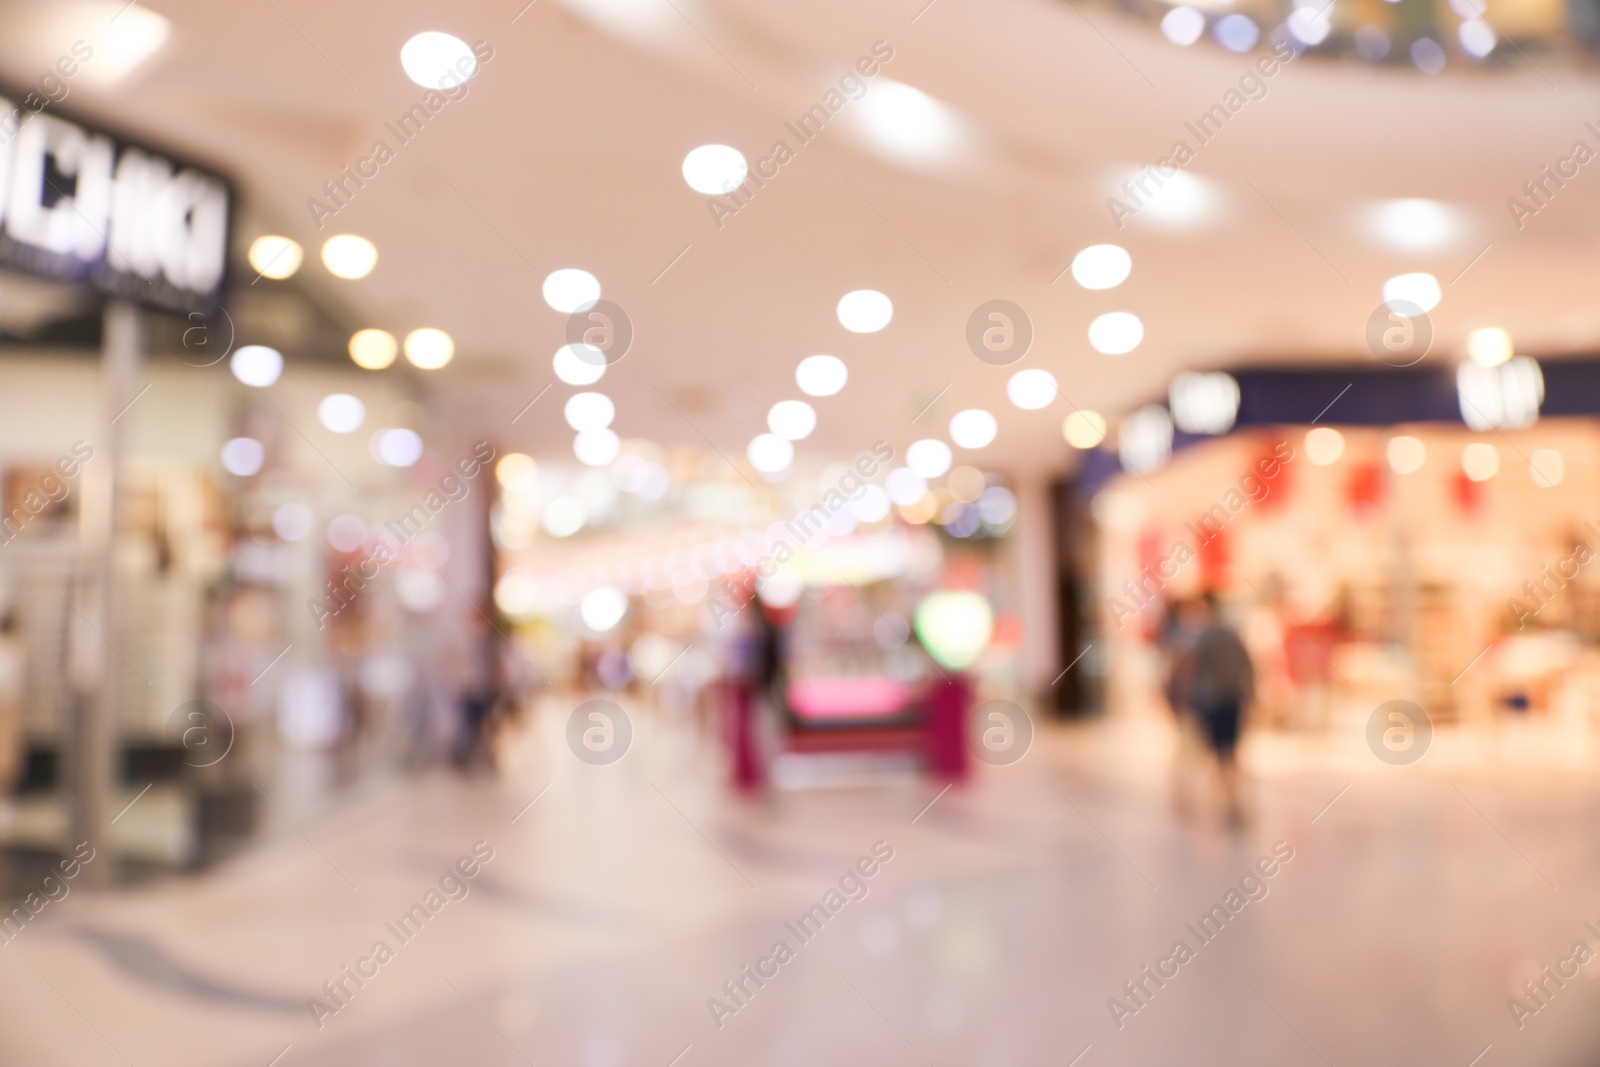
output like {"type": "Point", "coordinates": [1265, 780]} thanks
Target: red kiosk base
{"type": "Point", "coordinates": [936, 731]}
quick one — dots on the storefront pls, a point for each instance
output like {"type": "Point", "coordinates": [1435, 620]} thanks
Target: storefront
{"type": "Point", "coordinates": [198, 431]}
{"type": "Point", "coordinates": [1389, 551]}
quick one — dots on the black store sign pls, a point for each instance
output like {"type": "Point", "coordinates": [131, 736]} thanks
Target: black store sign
{"type": "Point", "coordinates": [83, 206]}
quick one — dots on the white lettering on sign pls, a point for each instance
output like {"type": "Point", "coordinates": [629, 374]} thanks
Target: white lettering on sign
{"type": "Point", "coordinates": [125, 219]}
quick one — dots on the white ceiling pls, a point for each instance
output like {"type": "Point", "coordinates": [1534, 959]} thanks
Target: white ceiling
{"type": "Point", "coordinates": [567, 153]}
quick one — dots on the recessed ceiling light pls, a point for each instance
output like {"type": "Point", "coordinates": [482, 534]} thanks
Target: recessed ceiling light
{"type": "Point", "coordinates": [397, 448]}
{"type": "Point", "coordinates": [576, 369]}
{"type": "Point", "coordinates": [1238, 33]}
{"type": "Point", "coordinates": [1489, 346]}
{"type": "Point", "coordinates": [516, 470]}
{"type": "Point", "coordinates": [905, 486]}
{"type": "Point", "coordinates": [590, 411]}
{"type": "Point", "coordinates": [648, 23]}
{"type": "Point", "coordinates": [1414, 225]}
{"type": "Point", "coordinates": [1183, 26]}
{"type": "Point", "coordinates": [1477, 37]}
{"type": "Point", "coordinates": [1144, 439]}
{"type": "Point", "coordinates": [602, 608]}
{"type": "Point", "coordinates": [564, 516]}
{"type": "Point", "coordinates": [437, 60]}
{"type": "Point", "coordinates": [1419, 289]}
{"type": "Point", "coordinates": [1372, 44]}
{"type": "Point", "coordinates": [292, 522]}
{"type": "Point", "coordinates": [1031, 390]}
{"type": "Point", "coordinates": [1182, 201]}
{"type": "Point", "coordinates": [341, 413]}
{"type": "Point", "coordinates": [865, 311]}
{"type": "Point", "coordinates": [1406, 454]}
{"type": "Point", "coordinates": [1101, 266]}
{"type": "Point", "coordinates": [1116, 333]}
{"type": "Point", "coordinates": [569, 290]}
{"type": "Point", "coordinates": [769, 453]}
{"type": "Point", "coordinates": [275, 257]}
{"type": "Point", "coordinates": [429, 349]}
{"type": "Point", "coordinates": [346, 532]}
{"type": "Point", "coordinates": [966, 484]}
{"type": "Point", "coordinates": [123, 36]}
{"type": "Point", "coordinates": [1427, 56]}
{"type": "Point", "coordinates": [1480, 461]}
{"type": "Point", "coordinates": [871, 505]}
{"type": "Point", "coordinates": [596, 448]}
{"type": "Point", "coordinates": [1324, 445]}
{"type": "Point", "coordinates": [1084, 429]}
{"type": "Point", "coordinates": [997, 506]}
{"type": "Point", "coordinates": [373, 349]}
{"type": "Point", "coordinates": [821, 375]}
{"type": "Point", "coordinates": [243, 456]}
{"type": "Point", "coordinates": [348, 256]}
{"type": "Point", "coordinates": [920, 511]}
{"type": "Point", "coordinates": [973, 428]}
{"type": "Point", "coordinates": [715, 169]}
{"type": "Point", "coordinates": [907, 126]}
{"type": "Point", "coordinates": [257, 365]}
{"type": "Point", "coordinates": [929, 457]}
{"type": "Point", "coordinates": [792, 419]}
{"type": "Point", "coordinates": [1310, 24]}
{"type": "Point", "coordinates": [1546, 468]}
{"type": "Point", "coordinates": [1204, 402]}
{"type": "Point", "coordinates": [1498, 398]}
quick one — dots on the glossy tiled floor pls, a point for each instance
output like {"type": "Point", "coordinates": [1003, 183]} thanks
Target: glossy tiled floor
{"type": "Point", "coordinates": [1012, 910]}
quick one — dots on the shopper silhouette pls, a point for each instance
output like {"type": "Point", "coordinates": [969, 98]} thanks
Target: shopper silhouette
{"type": "Point", "coordinates": [1216, 680]}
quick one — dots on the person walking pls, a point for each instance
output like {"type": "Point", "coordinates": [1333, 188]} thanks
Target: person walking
{"type": "Point", "coordinates": [1216, 681]}
{"type": "Point", "coordinates": [1185, 620]}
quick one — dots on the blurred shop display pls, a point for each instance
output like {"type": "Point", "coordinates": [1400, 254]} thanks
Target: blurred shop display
{"type": "Point", "coordinates": [287, 525]}
{"type": "Point", "coordinates": [799, 630]}
{"type": "Point", "coordinates": [852, 651]}
{"type": "Point", "coordinates": [1423, 562]}
{"type": "Point", "coordinates": [1428, 37]}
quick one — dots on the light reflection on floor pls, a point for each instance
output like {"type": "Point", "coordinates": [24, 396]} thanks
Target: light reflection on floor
{"type": "Point", "coordinates": [1012, 910]}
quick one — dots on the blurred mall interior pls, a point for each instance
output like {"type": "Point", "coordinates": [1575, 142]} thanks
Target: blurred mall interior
{"type": "Point", "coordinates": [516, 516]}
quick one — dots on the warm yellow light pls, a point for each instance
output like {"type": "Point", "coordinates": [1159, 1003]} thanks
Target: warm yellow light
{"type": "Point", "coordinates": [275, 257]}
{"type": "Point", "coordinates": [1084, 429]}
{"type": "Point", "coordinates": [1324, 445]}
{"type": "Point", "coordinates": [1480, 460]}
{"type": "Point", "coordinates": [1406, 454]}
{"type": "Point", "coordinates": [429, 349]}
{"type": "Point", "coordinates": [922, 511]}
{"type": "Point", "coordinates": [1546, 467]}
{"type": "Point", "coordinates": [349, 256]}
{"type": "Point", "coordinates": [516, 470]}
{"type": "Point", "coordinates": [373, 349]}
{"type": "Point", "coordinates": [1490, 346]}
{"type": "Point", "coordinates": [966, 484]}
